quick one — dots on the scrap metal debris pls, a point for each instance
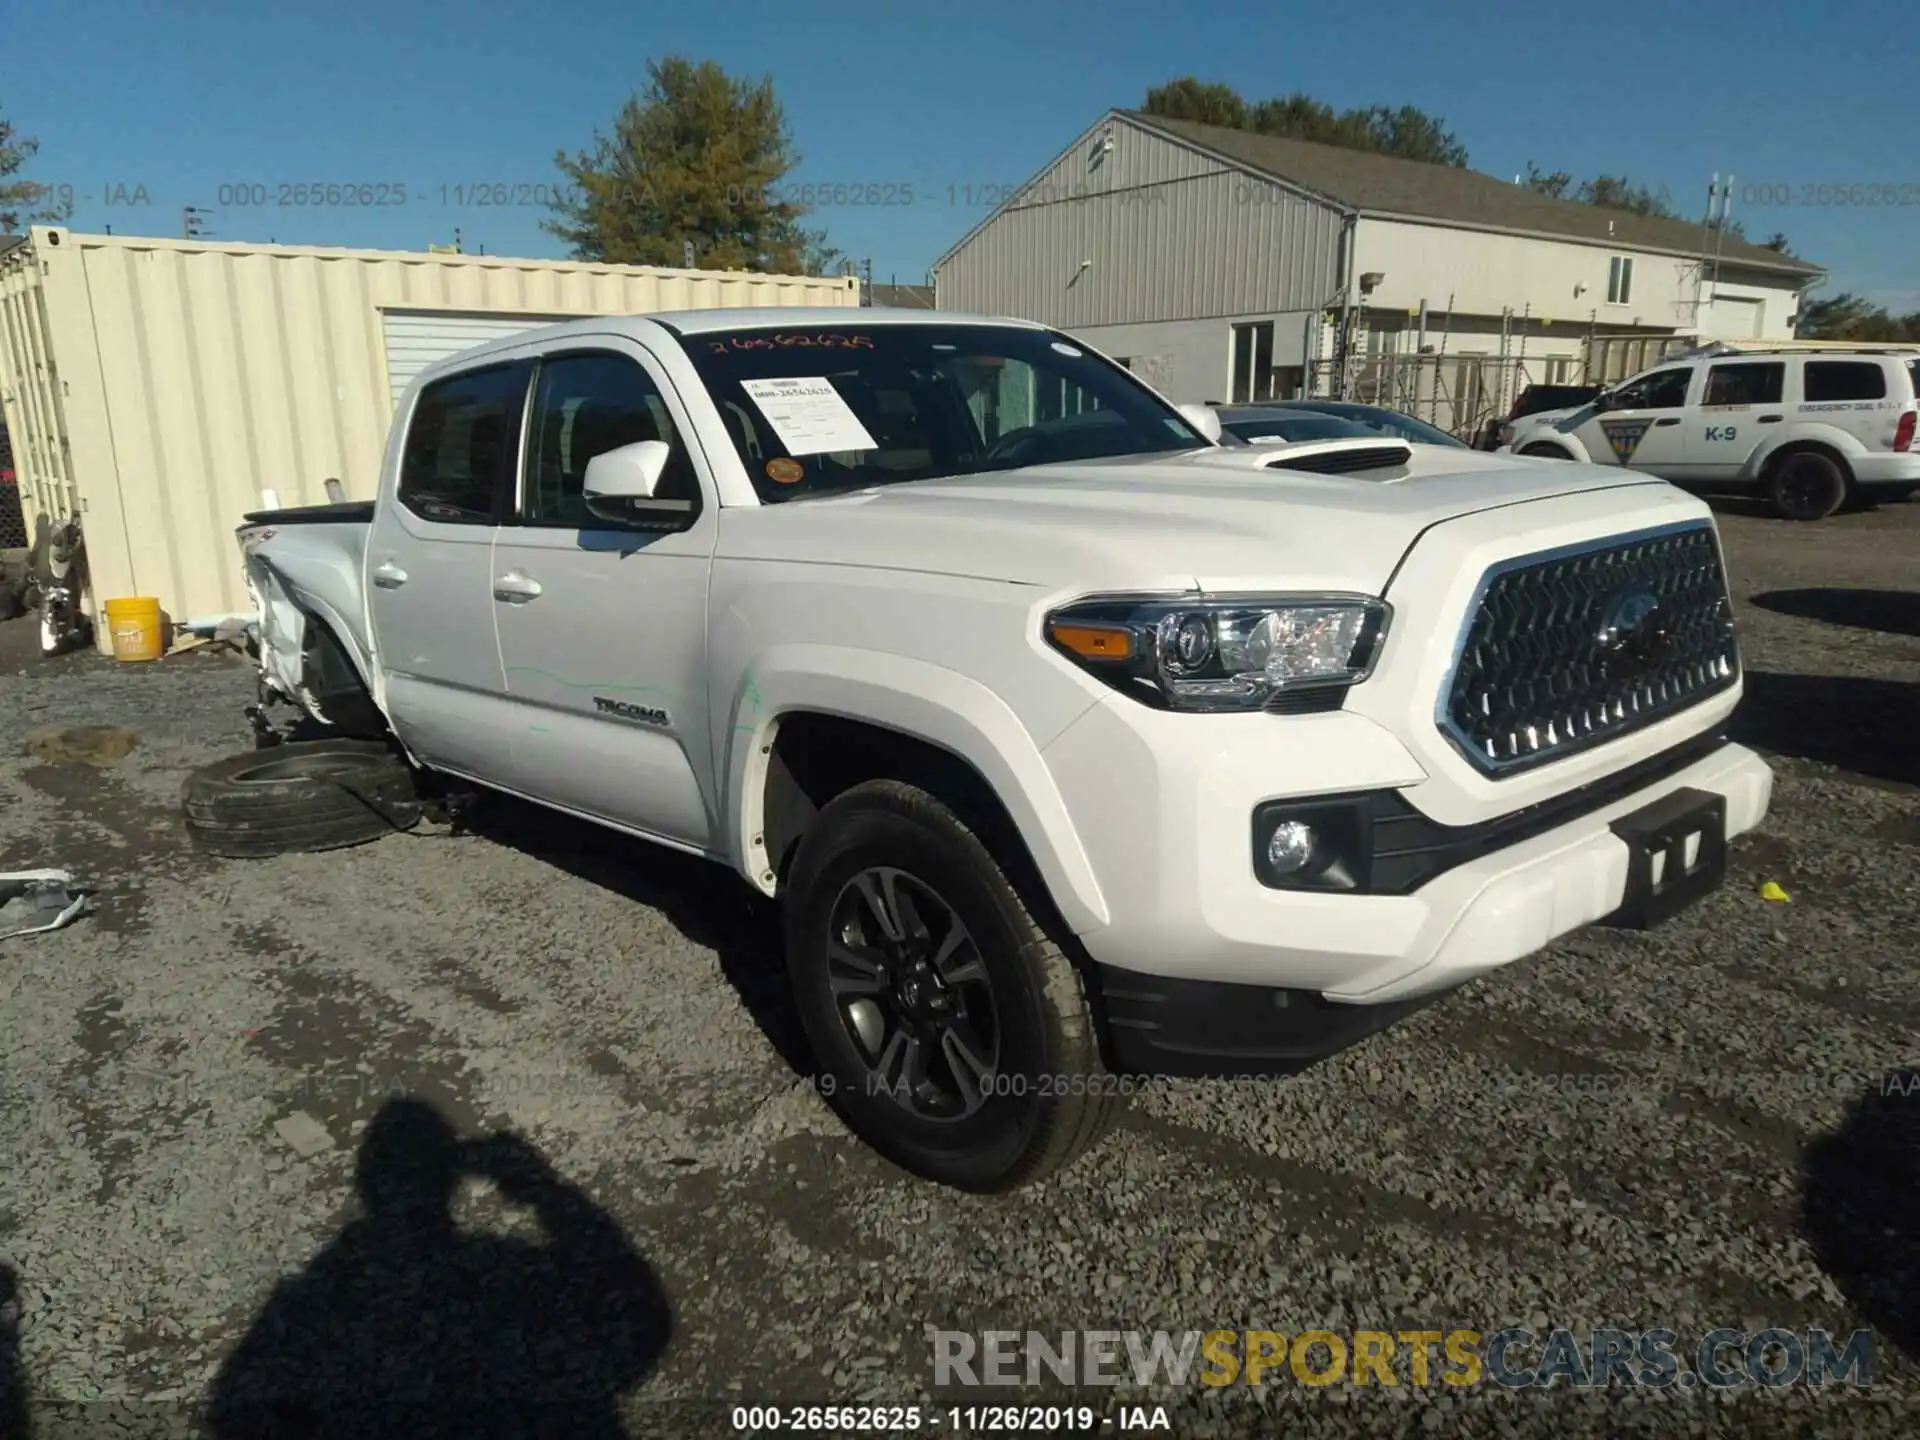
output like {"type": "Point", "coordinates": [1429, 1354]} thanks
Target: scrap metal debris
{"type": "Point", "coordinates": [35, 900]}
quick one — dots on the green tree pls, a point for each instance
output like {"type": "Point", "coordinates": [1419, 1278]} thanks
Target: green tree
{"type": "Point", "coordinates": [1192, 99]}
{"type": "Point", "coordinates": [1407, 132]}
{"type": "Point", "coordinates": [1853, 317]}
{"type": "Point", "coordinates": [696, 155]}
{"type": "Point", "coordinates": [23, 200]}
{"type": "Point", "coordinates": [1609, 192]}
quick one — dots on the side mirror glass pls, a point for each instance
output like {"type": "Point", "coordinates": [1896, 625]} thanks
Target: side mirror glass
{"type": "Point", "coordinates": [1201, 418]}
{"type": "Point", "coordinates": [621, 486]}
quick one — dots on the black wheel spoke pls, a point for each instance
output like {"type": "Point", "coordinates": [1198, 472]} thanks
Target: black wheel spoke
{"type": "Point", "coordinates": [877, 889]}
{"type": "Point", "coordinates": [971, 1070]}
{"type": "Point", "coordinates": [855, 970]}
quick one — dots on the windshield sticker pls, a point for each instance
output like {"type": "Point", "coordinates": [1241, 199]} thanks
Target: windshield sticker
{"type": "Point", "coordinates": [1625, 437]}
{"type": "Point", "coordinates": [790, 342]}
{"type": "Point", "coordinates": [1064, 349]}
{"type": "Point", "coordinates": [783, 471]}
{"type": "Point", "coordinates": [808, 415]}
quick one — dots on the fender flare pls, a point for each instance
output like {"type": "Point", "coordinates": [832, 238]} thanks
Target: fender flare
{"type": "Point", "coordinates": [1830, 437]}
{"type": "Point", "coordinates": [1575, 447]}
{"type": "Point", "coordinates": [930, 703]}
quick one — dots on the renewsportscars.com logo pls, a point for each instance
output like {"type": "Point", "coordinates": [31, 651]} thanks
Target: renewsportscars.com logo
{"type": "Point", "coordinates": [1514, 1358]}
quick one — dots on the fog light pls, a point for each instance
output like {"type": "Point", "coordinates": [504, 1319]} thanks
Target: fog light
{"type": "Point", "coordinates": [1290, 848]}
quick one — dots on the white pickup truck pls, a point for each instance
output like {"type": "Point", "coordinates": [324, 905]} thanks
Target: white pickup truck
{"type": "Point", "coordinates": [1074, 745]}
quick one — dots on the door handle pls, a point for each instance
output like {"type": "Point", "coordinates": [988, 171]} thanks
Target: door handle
{"type": "Point", "coordinates": [1771, 419]}
{"type": "Point", "coordinates": [389, 576]}
{"type": "Point", "coordinates": [516, 587]}
{"type": "Point", "coordinates": [1670, 420]}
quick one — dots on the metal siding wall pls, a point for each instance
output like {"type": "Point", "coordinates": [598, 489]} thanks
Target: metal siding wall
{"type": "Point", "coordinates": [196, 374]}
{"type": "Point", "coordinates": [1172, 236]}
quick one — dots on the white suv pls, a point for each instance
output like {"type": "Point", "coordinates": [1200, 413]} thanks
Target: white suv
{"type": "Point", "coordinates": [1074, 744]}
{"type": "Point", "coordinates": [1808, 429]}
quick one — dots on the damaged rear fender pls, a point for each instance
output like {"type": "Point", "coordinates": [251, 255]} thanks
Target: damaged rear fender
{"type": "Point", "coordinates": [299, 577]}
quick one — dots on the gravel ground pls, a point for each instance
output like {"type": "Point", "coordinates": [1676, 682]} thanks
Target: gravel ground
{"type": "Point", "coordinates": [187, 1078]}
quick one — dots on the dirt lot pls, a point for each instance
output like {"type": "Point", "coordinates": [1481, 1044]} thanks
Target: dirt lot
{"type": "Point", "coordinates": [1686, 1130]}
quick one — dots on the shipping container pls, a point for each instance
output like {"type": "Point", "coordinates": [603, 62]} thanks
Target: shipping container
{"type": "Point", "coordinates": [154, 387]}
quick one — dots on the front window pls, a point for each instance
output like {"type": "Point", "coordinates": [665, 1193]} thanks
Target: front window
{"type": "Point", "coordinates": [825, 411]}
{"type": "Point", "coordinates": [1662, 390]}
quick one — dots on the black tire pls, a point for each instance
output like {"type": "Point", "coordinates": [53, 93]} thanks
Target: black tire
{"type": "Point", "coordinates": [1048, 1096]}
{"type": "Point", "coordinates": [1805, 485]}
{"type": "Point", "coordinates": [1547, 452]}
{"type": "Point", "coordinates": [302, 796]}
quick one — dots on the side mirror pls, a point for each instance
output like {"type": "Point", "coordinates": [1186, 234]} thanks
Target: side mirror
{"type": "Point", "coordinates": [620, 486]}
{"type": "Point", "coordinates": [1602, 401]}
{"type": "Point", "coordinates": [1201, 419]}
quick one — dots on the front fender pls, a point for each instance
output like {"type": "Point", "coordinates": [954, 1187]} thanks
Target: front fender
{"type": "Point", "coordinates": [1847, 446]}
{"type": "Point", "coordinates": [930, 703]}
{"type": "Point", "coordinates": [1565, 439]}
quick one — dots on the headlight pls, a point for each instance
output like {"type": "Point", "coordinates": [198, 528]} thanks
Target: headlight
{"type": "Point", "coordinates": [1224, 652]}
{"type": "Point", "coordinates": [1506, 434]}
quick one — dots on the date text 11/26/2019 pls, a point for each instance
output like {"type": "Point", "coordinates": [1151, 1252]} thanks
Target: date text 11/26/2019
{"type": "Point", "coordinates": [958, 1419]}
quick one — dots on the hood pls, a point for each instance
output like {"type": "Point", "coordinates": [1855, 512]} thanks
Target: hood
{"type": "Point", "coordinates": [1220, 519]}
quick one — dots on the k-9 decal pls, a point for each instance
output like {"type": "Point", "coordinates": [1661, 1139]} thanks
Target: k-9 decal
{"type": "Point", "coordinates": [1721, 432]}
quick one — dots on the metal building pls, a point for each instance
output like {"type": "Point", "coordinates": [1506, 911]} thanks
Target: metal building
{"type": "Point", "coordinates": [1229, 266]}
{"type": "Point", "coordinates": [154, 387]}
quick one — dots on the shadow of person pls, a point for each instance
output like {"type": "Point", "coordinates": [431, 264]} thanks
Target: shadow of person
{"type": "Point", "coordinates": [406, 1325]}
{"type": "Point", "coordinates": [13, 1381]}
{"type": "Point", "coordinates": [1857, 1207]}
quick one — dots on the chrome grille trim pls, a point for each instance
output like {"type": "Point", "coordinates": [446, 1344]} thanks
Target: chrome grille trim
{"type": "Point", "coordinates": [1531, 681]}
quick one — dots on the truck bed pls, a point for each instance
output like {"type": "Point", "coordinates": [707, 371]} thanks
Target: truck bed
{"type": "Point", "coordinates": [349, 512]}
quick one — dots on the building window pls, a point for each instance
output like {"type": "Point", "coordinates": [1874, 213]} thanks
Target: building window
{"type": "Point", "coordinates": [1620, 280]}
{"type": "Point", "coordinates": [1253, 362]}
{"type": "Point", "coordinates": [1125, 362]}
{"type": "Point", "coordinates": [1748, 384]}
{"type": "Point", "coordinates": [1844, 380]}
{"type": "Point", "coordinates": [1559, 372]}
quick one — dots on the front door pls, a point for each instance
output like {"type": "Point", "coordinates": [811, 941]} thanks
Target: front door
{"type": "Point", "coordinates": [602, 626]}
{"type": "Point", "coordinates": [1644, 424]}
{"type": "Point", "coordinates": [429, 569]}
{"type": "Point", "coordinates": [1738, 410]}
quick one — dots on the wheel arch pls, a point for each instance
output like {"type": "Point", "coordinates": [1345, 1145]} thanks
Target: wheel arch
{"type": "Point", "coordinates": [1829, 439]}
{"type": "Point", "coordinates": [809, 722]}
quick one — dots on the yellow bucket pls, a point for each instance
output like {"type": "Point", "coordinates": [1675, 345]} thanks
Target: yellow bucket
{"type": "Point", "coordinates": [134, 624]}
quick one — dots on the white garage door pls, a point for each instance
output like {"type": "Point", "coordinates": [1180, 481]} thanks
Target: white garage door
{"type": "Point", "coordinates": [1733, 317]}
{"type": "Point", "coordinates": [418, 338]}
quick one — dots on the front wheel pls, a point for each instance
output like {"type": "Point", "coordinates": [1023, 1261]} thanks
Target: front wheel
{"type": "Point", "coordinates": [952, 1034]}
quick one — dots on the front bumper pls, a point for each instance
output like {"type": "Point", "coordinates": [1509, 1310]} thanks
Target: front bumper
{"type": "Point", "coordinates": [1176, 861]}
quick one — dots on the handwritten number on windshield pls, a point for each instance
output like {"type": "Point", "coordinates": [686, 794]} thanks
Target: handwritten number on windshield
{"type": "Point", "coordinates": [790, 342]}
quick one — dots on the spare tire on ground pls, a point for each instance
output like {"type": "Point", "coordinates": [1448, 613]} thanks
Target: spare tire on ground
{"type": "Point", "coordinates": [300, 796]}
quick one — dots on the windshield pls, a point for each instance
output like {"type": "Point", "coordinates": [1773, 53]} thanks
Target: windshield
{"type": "Point", "coordinates": [1392, 422]}
{"type": "Point", "coordinates": [1294, 427]}
{"type": "Point", "coordinates": [825, 411]}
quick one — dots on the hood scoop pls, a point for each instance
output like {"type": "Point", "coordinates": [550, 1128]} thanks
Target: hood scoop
{"type": "Point", "coordinates": [1317, 457]}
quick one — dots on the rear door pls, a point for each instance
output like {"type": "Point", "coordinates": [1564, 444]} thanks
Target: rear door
{"type": "Point", "coordinates": [429, 569]}
{"type": "Point", "coordinates": [1644, 426]}
{"type": "Point", "coordinates": [603, 627]}
{"type": "Point", "coordinates": [1741, 406]}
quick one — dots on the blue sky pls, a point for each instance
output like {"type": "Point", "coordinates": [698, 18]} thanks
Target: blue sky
{"type": "Point", "coordinates": [954, 101]}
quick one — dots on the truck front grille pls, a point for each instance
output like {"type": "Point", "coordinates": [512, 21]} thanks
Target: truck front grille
{"type": "Point", "coordinates": [1570, 649]}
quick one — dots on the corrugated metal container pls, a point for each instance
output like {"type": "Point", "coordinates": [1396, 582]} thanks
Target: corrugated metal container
{"type": "Point", "coordinates": [155, 386]}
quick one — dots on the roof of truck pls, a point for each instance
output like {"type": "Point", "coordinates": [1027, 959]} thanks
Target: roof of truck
{"type": "Point", "coordinates": [705, 322]}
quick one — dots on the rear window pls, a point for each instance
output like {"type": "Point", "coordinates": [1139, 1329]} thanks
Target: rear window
{"type": "Point", "coordinates": [1845, 380]}
{"type": "Point", "coordinates": [461, 445]}
{"type": "Point", "coordinates": [1913, 377]}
